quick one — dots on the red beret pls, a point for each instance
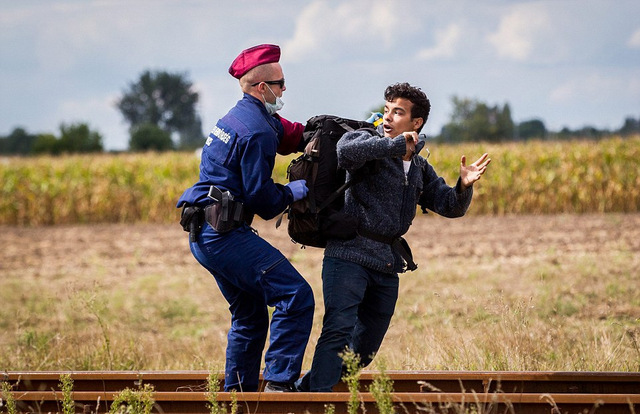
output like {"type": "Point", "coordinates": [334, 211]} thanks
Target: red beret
{"type": "Point", "coordinates": [252, 57]}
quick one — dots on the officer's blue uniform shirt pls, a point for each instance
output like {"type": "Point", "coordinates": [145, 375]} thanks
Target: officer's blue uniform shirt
{"type": "Point", "coordinates": [239, 156]}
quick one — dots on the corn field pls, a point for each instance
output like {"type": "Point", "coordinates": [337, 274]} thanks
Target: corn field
{"type": "Point", "coordinates": [538, 177]}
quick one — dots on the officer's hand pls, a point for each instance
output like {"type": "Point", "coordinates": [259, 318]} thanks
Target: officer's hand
{"type": "Point", "coordinates": [298, 189]}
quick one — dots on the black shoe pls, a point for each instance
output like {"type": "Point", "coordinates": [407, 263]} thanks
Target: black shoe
{"type": "Point", "coordinates": [273, 386]}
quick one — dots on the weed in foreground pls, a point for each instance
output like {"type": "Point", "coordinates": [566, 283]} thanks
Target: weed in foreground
{"type": "Point", "coordinates": [351, 362]}
{"type": "Point", "coordinates": [66, 385]}
{"type": "Point", "coordinates": [7, 398]}
{"type": "Point", "coordinates": [130, 401]}
{"type": "Point", "coordinates": [329, 409]}
{"type": "Point", "coordinates": [381, 389]}
{"type": "Point", "coordinates": [234, 402]}
{"type": "Point", "coordinates": [98, 309]}
{"type": "Point", "coordinates": [213, 385]}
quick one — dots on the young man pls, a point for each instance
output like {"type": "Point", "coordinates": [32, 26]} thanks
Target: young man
{"type": "Point", "coordinates": [235, 183]}
{"type": "Point", "coordinates": [360, 276]}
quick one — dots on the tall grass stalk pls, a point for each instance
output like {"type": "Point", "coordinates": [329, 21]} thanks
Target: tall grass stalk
{"type": "Point", "coordinates": [97, 309]}
{"type": "Point", "coordinates": [351, 362]}
{"type": "Point", "coordinates": [7, 398]}
{"type": "Point", "coordinates": [66, 385]}
{"type": "Point", "coordinates": [234, 402]}
{"type": "Point", "coordinates": [213, 387]}
{"type": "Point", "coordinates": [382, 388]}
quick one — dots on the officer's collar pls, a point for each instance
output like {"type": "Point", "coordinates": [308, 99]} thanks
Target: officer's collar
{"type": "Point", "coordinates": [258, 102]}
{"type": "Point", "coordinates": [273, 121]}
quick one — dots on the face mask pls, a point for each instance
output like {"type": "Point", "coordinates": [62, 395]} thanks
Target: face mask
{"type": "Point", "coordinates": [272, 108]}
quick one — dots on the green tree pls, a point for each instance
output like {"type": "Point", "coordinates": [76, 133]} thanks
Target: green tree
{"type": "Point", "coordinates": [79, 138]}
{"type": "Point", "coordinates": [472, 120]}
{"type": "Point", "coordinates": [630, 126]}
{"type": "Point", "coordinates": [533, 128]}
{"type": "Point", "coordinates": [166, 100]}
{"type": "Point", "coordinates": [148, 137]}
{"type": "Point", "coordinates": [505, 128]}
{"type": "Point", "coordinates": [46, 144]}
{"type": "Point", "coordinates": [18, 142]}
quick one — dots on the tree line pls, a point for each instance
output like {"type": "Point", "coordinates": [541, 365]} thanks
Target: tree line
{"type": "Point", "coordinates": [474, 121]}
{"type": "Point", "coordinates": [160, 108]}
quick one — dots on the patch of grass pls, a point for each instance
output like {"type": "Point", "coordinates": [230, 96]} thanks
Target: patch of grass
{"type": "Point", "coordinates": [7, 398]}
{"type": "Point", "coordinates": [130, 401]}
{"type": "Point", "coordinates": [160, 311]}
{"type": "Point", "coordinates": [177, 310]}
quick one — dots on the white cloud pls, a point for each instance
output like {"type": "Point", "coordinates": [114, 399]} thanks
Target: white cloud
{"type": "Point", "coordinates": [593, 87]}
{"type": "Point", "coordinates": [325, 31]}
{"type": "Point", "coordinates": [518, 32]}
{"type": "Point", "coordinates": [446, 42]}
{"type": "Point", "coordinates": [634, 40]}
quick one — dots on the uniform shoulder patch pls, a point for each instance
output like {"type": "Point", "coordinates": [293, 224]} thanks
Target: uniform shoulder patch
{"type": "Point", "coordinates": [219, 133]}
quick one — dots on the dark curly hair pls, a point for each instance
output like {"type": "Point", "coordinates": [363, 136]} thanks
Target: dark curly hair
{"type": "Point", "coordinates": [421, 105]}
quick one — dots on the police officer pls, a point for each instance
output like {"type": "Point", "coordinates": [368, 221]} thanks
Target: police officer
{"type": "Point", "coordinates": [235, 183]}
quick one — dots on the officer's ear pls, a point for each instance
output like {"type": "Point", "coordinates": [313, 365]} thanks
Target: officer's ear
{"type": "Point", "coordinates": [261, 87]}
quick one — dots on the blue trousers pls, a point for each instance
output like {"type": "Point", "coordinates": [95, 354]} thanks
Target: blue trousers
{"type": "Point", "coordinates": [359, 304]}
{"type": "Point", "coordinates": [253, 275]}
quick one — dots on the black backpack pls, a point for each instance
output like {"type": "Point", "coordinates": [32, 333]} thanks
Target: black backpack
{"type": "Point", "coordinates": [319, 216]}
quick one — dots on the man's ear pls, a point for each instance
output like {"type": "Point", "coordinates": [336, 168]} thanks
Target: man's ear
{"type": "Point", "coordinates": [261, 87]}
{"type": "Point", "coordinates": [417, 123]}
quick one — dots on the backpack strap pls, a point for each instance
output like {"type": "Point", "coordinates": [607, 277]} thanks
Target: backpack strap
{"type": "Point", "coordinates": [371, 167]}
{"type": "Point", "coordinates": [398, 245]}
{"type": "Point", "coordinates": [312, 190]}
{"type": "Point", "coordinates": [339, 191]}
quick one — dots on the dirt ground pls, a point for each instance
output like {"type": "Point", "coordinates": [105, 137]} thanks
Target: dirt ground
{"type": "Point", "coordinates": [126, 249]}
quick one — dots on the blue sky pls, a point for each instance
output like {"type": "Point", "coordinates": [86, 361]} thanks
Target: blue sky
{"type": "Point", "coordinates": [568, 62]}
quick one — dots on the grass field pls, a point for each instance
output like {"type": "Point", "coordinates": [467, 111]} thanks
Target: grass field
{"type": "Point", "coordinates": [526, 292]}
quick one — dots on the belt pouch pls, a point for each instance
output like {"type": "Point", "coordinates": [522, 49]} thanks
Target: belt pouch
{"type": "Point", "coordinates": [213, 213]}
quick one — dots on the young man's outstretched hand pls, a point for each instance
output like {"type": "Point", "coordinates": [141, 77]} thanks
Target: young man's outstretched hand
{"type": "Point", "coordinates": [472, 173]}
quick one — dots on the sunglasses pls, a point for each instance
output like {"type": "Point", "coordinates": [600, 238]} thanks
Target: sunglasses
{"type": "Point", "coordinates": [275, 82]}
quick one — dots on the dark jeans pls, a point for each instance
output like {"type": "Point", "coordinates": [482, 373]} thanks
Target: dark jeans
{"type": "Point", "coordinates": [359, 304]}
{"type": "Point", "coordinates": [253, 275]}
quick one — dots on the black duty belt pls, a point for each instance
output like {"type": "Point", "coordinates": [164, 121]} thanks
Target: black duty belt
{"type": "Point", "coordinates": [223, 214]}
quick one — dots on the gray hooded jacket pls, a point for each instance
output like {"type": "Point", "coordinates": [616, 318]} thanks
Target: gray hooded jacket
{"type": "Point", "coordinates": [385, 201]}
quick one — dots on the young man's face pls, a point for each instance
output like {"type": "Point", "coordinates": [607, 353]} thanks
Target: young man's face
{"type": "Point", "coordinates": [397, 118]}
